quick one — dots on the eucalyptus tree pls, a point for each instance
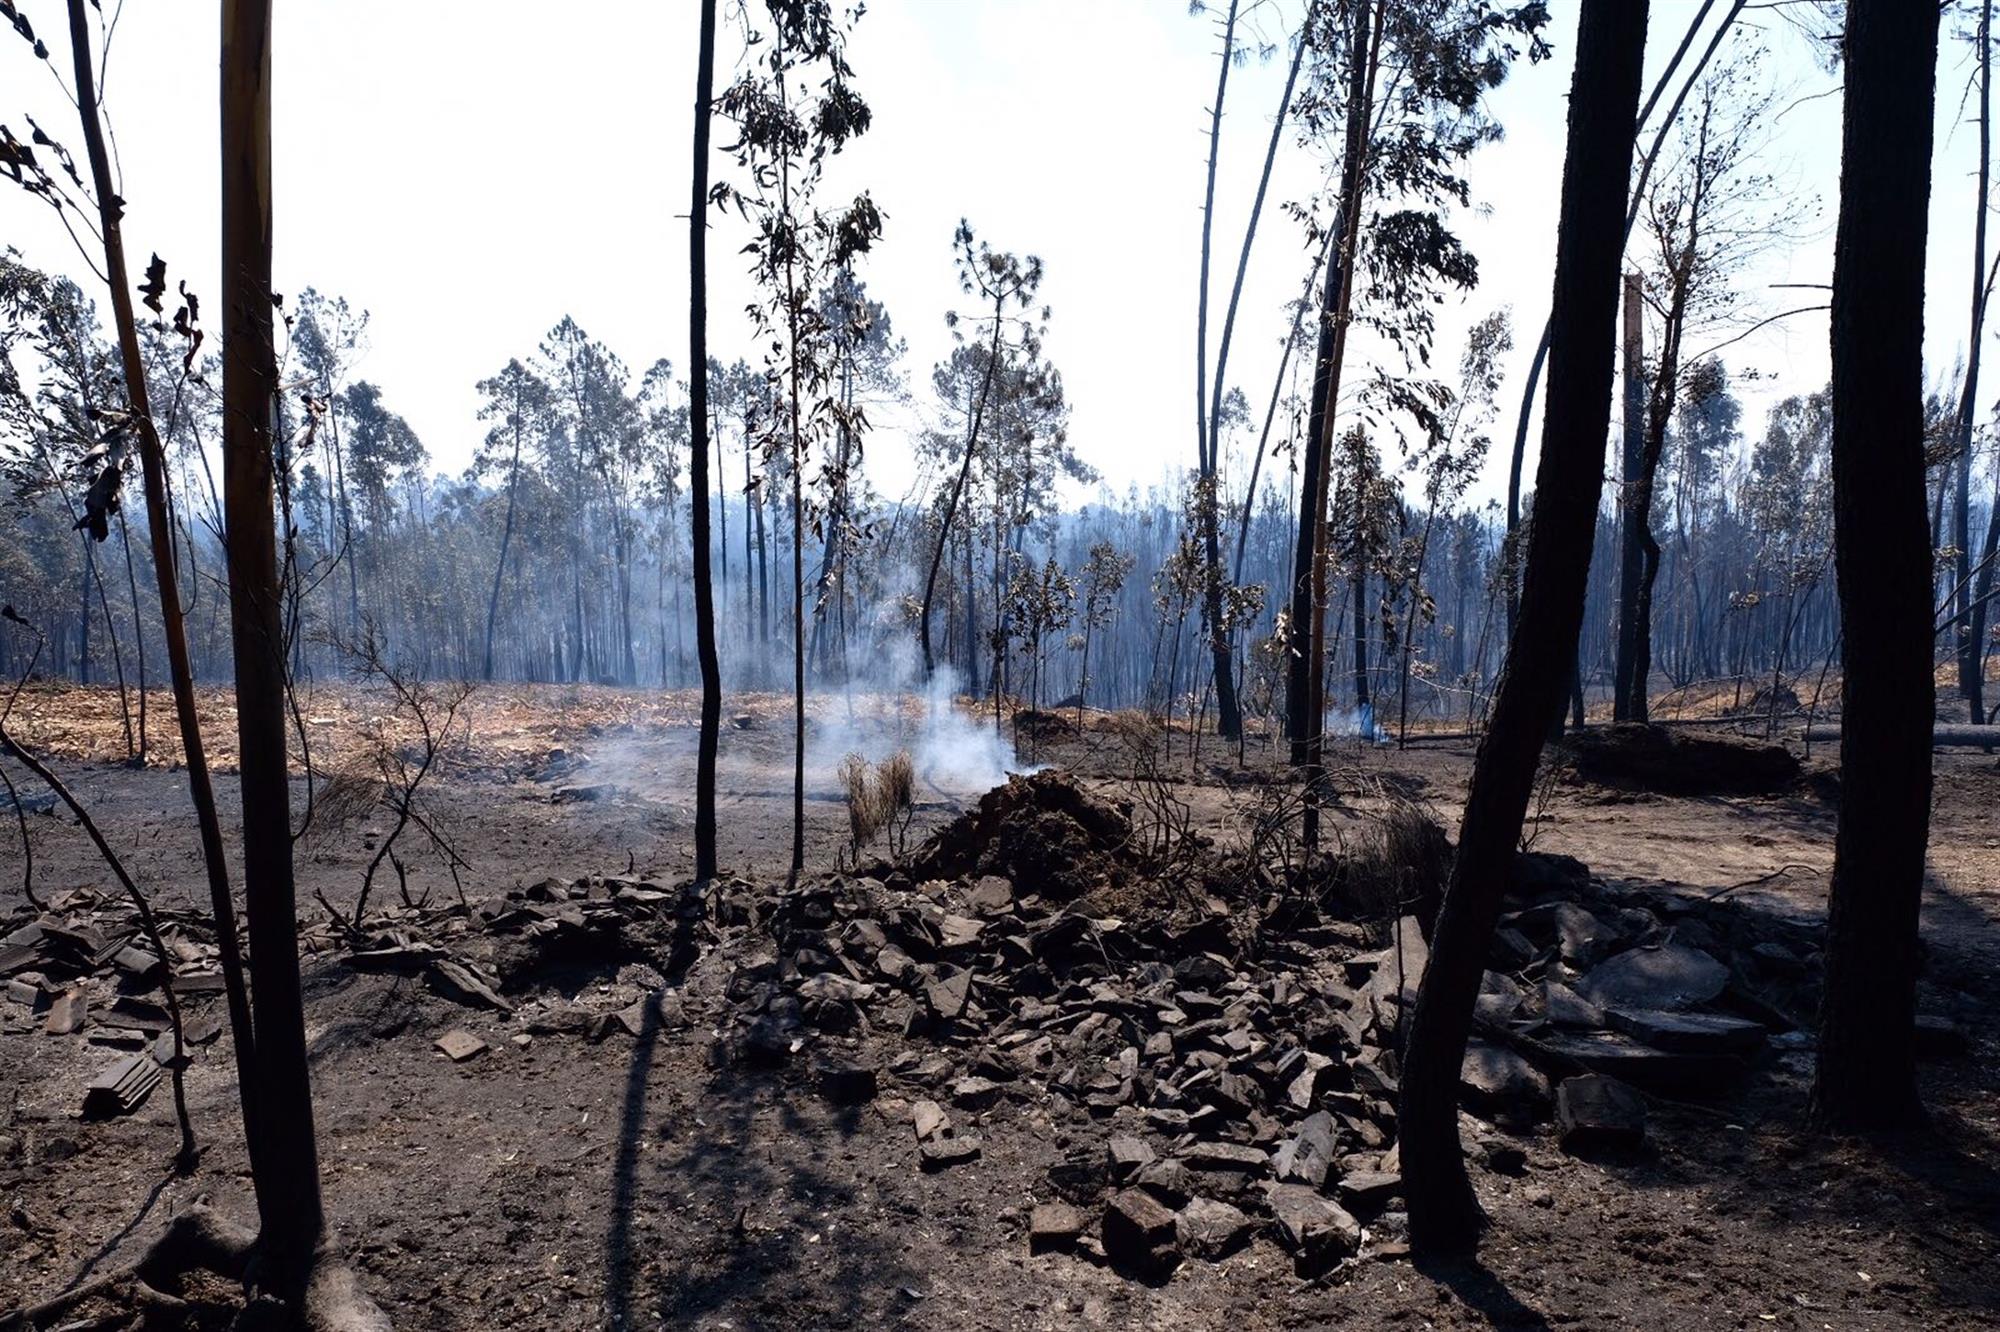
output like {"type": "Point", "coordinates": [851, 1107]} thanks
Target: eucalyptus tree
{"type": "Point", "coordinates": [327, 337]}
{"type": "Point", "coordinates": [698, 456]}
{"type": "Point", "coordinates": [1710, 210]}
{"type": "Point", "coordinates": [1103, 576]}
{"type": "Point", "coordinates": [794, 105]}
{"type": "Point", "coordinates": [1450, 463]}
{"type": "Point", "coordinates": [1534, 378]}
{"type": "Point", "coordinates": [517, 402]}
{"type": "Point", "coordinates": [1604, 97]}
{"type": "Point", "coordinates": [295, 1257]}
{"type": "Point", "coordinates": [1209, 411]}
{"type": "Point", "coordinates": [866, 352]}
{"type": "Point", "coordinates": [997, 279]}
{"type": "Point", "coordinates": [1969, 623]}
{"type": "Point", "coordinates": [589, 413]}
{"type": "Point", "coordinates": [1406, 138]}
{"type": "Point", "coordinates": [663, 435]}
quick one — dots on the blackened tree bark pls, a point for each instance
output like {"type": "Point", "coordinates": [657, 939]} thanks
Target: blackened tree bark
{"type": "Point", "coordinates": [1305, 703]}
{"type": "Point", "coordinates": [704, 588]}
{"type": "Point", "coordinates": [1867, 1072]}
{"type": "Point", "coordinates": [1604, 97]}
{"type": "Point", "coordinates": [1632, 451]}
{"type": "Point", "coordinates": [173, 624]}
{"type": "Point", "coordinates": [292, 1259]}
{"type": "Point", "coordinates": [1972, 661]}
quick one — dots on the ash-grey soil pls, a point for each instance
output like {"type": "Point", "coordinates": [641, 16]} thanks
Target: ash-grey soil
{"type": "Point", "coordinates": [658, 1181]}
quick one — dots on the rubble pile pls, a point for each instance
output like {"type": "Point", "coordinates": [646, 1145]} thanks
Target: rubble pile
{"type": "Point", "coordinates": [1218, 1079]}
{"type": "Point", "coordinates": [85, 970]}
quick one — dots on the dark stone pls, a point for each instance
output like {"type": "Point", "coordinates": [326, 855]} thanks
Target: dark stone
{"type": "Point", "coordinates": [1317, 1230]}
{"type": "Point", "coordinates": [1210, 1229]}
{"type": "Point", "coordinates": [1054, 1226]}
{"type": "Point", "coordinates": [1688, 1033]}
{"type": "Point", "coordinates": [1564, 1007]}
{"type": "Point", "coordinates": [1939, 1037]}
{"type": "Point", "coordinates": [1139, 1233]}
{"type": "Point", "coordinates": [1497, 1081]}
{"type": "Point", "coordinates": [1228, 1158]}
{"type": "Point", "coordinates": [848, 1084]}
{"type": "Point", "coordinates": [1369, 1191]}
{"type": "Point", "coordinates": [1668, 1073]}
{"type": "Point", "coordinates": [1597, 1113]}
{"type": "Point", "coordinates": [1585, 938]}
{"type": "Point", "coordinates": [1308, 1156]}
{"type": "Point", "coordinates": [1127, 1156]}
{"type": "Point", "coordinates": [941, 1152]}
{"type": "Point", "coordinates": [1668, 976]}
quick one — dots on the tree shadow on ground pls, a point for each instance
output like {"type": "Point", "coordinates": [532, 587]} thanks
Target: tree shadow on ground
{"type": "Point", "coordinates": [1934, 1190]}
{"type": "Point", "coordinates": [740, 1165]}
{"type": "Point", "coordinates": [1479, 1288]}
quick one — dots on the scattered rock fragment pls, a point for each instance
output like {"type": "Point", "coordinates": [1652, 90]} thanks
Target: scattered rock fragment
{"type": "Point", "coordinates": [848, 1083]}
{"type": "Point", "coordinates": [460, 1045]}
{"type": "Point", "coordinates": [1496, 1081]}
{"type": "Point", "coordinates": [67, 1014]}
{"type": "Point", "coordinates": [1317, 1230]}
{"type": "Point", "coordinates": [1308, 1156]}
{"type": "Point", "coordinates": [1210, 1229]}
{"type": "Point", "coordinates": [1139, 1233]}
{"type": "Point", "coordinates": [1054, 1226]}
{"type": "Point", "coordinates": [1599, 1114]}
{"type": "Point", "coordinates": [1688, 1033]}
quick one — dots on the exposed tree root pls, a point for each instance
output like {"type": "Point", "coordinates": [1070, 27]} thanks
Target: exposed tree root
{"type": "Point", "coordinates": [201, 1240]}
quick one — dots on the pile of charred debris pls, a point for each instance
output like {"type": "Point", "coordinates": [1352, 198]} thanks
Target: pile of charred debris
{"type": "Point", "coordinates": [1226, 1069]}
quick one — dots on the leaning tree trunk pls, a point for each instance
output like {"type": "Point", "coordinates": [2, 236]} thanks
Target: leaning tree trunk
{"type": "Point", "coordinates": [1867, 1073]}
{"type": "Point", "coordinates": [704, 590]}
{"type": "Point", "coordinates": [958, 495]}
{"type": "Point", "coordinates": [1604, 95]}
{"type": "Point", "coordinates": [173, 623]}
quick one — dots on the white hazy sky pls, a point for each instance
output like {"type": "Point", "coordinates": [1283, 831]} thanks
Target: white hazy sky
{"type": "Point", "coordinates": [471, 172]}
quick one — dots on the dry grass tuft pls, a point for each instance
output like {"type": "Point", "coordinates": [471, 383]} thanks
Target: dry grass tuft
{"type": "Point", "coordinates": [879, 796]}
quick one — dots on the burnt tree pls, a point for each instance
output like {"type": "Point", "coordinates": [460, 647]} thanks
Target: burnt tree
{"type": "Point", "coordinates": [1867, 1070]}
{"type": "Point", "coordinates": [1604, 99]}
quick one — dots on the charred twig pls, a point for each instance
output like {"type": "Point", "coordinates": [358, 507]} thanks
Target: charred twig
{"type": "Point", "coordinates": [27, 846]}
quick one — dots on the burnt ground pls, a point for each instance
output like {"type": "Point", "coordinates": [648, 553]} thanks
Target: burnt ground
{"type": "Point", "coordinates": [657, 1177]}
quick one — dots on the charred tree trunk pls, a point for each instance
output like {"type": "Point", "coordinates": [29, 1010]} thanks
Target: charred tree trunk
{"type": "Point", "coordinates": [1632, 450]}
{"type": "Point", "coordinates": [1867, 1073]}
{"type": "Point", "coordinates": [1604, 96]}
{"type": "Point", "coordinates": [1305, 684]}
{"type": "Point", "coordinates": [291, 1262]}
{"type": "Point", "coordinates": [173, 623]}
{"type": "Point", "coordinates": [1971, 660]}
{"type": "Point", "coordinates": [704, 590]}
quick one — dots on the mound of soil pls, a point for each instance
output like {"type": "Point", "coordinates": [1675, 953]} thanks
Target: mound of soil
{"type": "Point", "coordinates": [1042, 831]}
{"type": "Point", "coordinates": [1653, 758]}
{"type": "Point", "coordinates": [1043, 725]}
